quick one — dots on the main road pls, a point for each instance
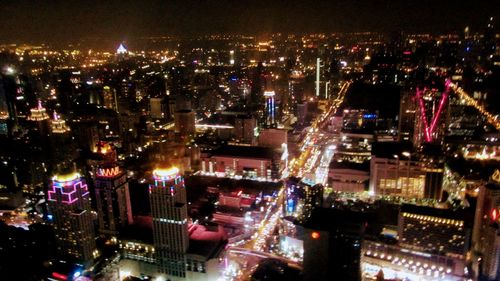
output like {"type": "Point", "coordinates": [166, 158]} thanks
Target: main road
{"type": "Point", "coordinates": [314, 158]}
{"type": "Point", "coordinates": [311, 149]}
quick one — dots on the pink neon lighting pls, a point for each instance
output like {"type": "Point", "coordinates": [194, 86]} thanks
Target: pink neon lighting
{"type": "Point", "coordinates": [59, 276]}
{"type": "Point", "coordinates": [440, 108]}
{"type": "Point", "coordinates": [429, 131]}
{"type": "Point", "coordinates": [67, 190]}
{"type": "Point", "coordinates": [422, 111]}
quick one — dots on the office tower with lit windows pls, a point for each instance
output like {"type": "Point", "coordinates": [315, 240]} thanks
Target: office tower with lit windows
{"type": "Point", "coordinates": [69, 207]}
{"type": "Point", "coordinates": [270, 116]}
{"type": "Point", "coordinates": [114, 209]}
{"type": "Point", "coordinates": [109, 98]}
{"type": "Point", "coordinates": [4, 112]}
{"type": "Point", "coordinates": [41, 118]}
{"type": "Point", "coordinates": [167, 195]}
{"type": "Point", "coordinates": [396, 170]}
{"type": "Point", "coordinates": [62, 147]}
{"type": "Point", "coordinates": [438, 231]}
{"type": "Point", "coordinates": [8, 111]}
{"type": "Point", "coordinates": [486, 234]}
{"type": "Point", "coordinates": [407, 109]}
{"type": "Point", "coordinates": [332, 244]}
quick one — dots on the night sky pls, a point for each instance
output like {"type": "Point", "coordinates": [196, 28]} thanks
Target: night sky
{"type": "Point", "coordinates": [66, 20]}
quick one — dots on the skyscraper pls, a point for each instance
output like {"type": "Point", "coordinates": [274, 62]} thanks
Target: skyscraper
{"type": "Point", "coordinates": [69, 205]}
{"type": "Point", "coordinates": [62, 148]}
{"type": "Point", "coordinates": [167, 195]}
{"type": "Point", "coordinates": [332, 250]}
{"type": "Point", "coordinates": [270, 109]}
{"type": "Point", "coordinates": [8, 89]}
{"type": "Point", "coordinates": [40, 116]}
{"type": "Point", "coordinates": [112, 193]}
{"type": "Point", "coordinates": [486, 234]}
{"type": "Point", "coordinates": [430, 121]}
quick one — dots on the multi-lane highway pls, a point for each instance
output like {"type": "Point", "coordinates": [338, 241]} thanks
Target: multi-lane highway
{"type": "Point", "coordinates": [316, 142]}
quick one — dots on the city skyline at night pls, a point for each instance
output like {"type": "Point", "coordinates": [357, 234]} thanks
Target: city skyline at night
{"type": "Point", "coordinates": [250, 140]}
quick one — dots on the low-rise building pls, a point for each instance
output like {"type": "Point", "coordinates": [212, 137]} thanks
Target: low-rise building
{"type": "Point", "coordinates": [252, 162]}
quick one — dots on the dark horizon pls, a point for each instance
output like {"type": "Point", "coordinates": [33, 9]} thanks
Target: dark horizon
{"type": "Point", "coordinates": [70, 21]}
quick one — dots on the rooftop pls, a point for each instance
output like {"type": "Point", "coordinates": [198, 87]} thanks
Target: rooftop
{"type": "Point", "coordinates": [467, 215]}
{"type": "Point", "coordinates": [336, 219]}
{"type": "Point", "coordinates": [389, 149]}
{"type": "Point", "coordinates": [365, 166]}
{"type": "Point", "coordinates": [244, 151]}
{"type": "Point", "coordinates": [206, 240]}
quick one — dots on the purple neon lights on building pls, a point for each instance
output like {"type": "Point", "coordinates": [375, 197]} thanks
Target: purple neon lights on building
{"type": "Point", "coordinates": [67, 190]}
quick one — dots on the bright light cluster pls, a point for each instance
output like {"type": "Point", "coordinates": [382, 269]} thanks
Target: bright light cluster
{"type": "Point", "coordinates": [38, 113]}
{"type": "Point", "coordinates": [434, 219]}
{"type": "Point", "coordinates": [165, 174]}
{"type": "Point", "coordinates": [108, 172]}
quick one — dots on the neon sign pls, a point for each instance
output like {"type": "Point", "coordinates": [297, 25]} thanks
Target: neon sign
{"type": "Point", "coordinates": [67, 187]}
{"type": "Point", "coordinates": [108, 172]}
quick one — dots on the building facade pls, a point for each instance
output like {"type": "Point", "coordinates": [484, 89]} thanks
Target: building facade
{"type": "Point", "coordinates": [486, 235]}
{"type": "Point", "coordinates": [69, 207]}
{"type": "Point", "coordinates": [114, 209]}
{"type": "Point", "coordinates": [167, 195]}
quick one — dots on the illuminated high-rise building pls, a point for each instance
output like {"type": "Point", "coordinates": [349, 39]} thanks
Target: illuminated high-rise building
{"type": "Point", "coordinates": [270, 109]}
{"type": "Point", "coordinates": [446, 231]}
{"type": "Point", "coordinates": [8, 110]}
{"type": "Point", "coordinates": [167, 195]}
{"type": "Point", "coordinates": [486, 233]}
{"type": "Point", "coordinates": [4, 116]}
{"type": "Point", "coordinates": [430, 121]}
{"type": "Point", "coordinates": [318, 74]}
{"type": "Point", "coordinates": [58, 125]}
{"type": "Point", "coordinates": [62, 148]}
{"type": "Point", "coordinates": [69, 206]}
{"type": "Point", "coordinates": [109, 97]}
{"type": "Point", "coordinates": [114, 209]}
{"type": "Point", "coordinates": [40, 116]}
{"type": "Point", "coordinates": [121, 50]}
{"type": "Point", "coordinates": [406, 122]}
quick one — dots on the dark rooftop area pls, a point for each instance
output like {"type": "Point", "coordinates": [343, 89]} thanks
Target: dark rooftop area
{"type": "Point", "coordinates": [365, 166]}
{"type": "Point", "coordinates": [141, 230]}
{"type": "Point", "coordinates": [389, 149]}
{"type": "Point", "coordinates": [244, 151]}
{"type": "Point", "coordinates": [336, 218]}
